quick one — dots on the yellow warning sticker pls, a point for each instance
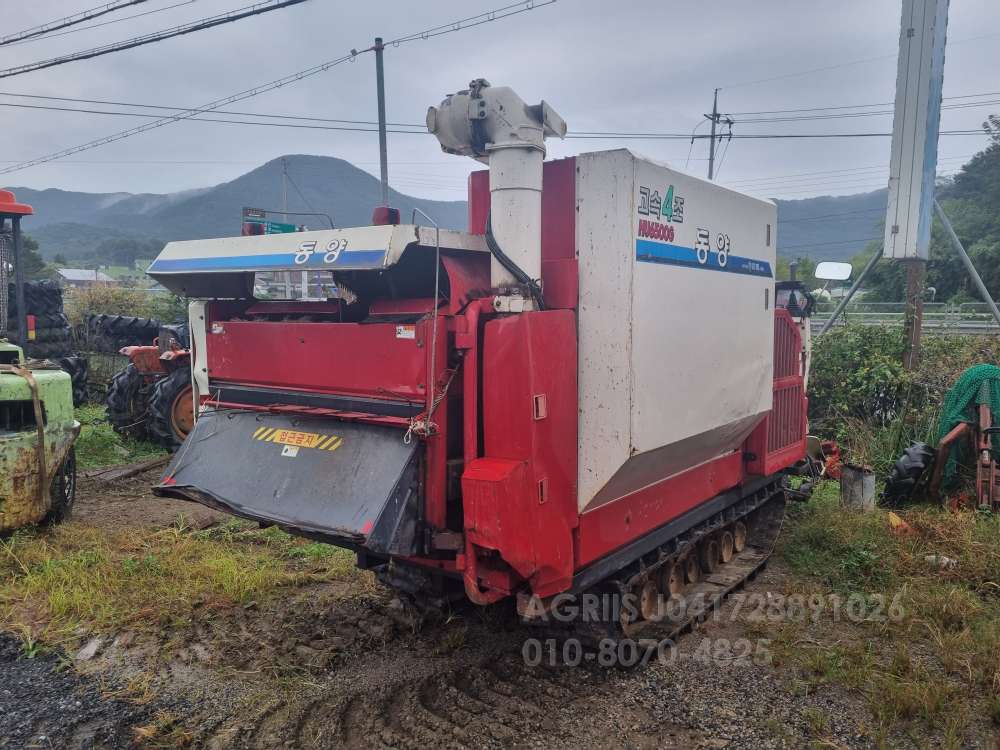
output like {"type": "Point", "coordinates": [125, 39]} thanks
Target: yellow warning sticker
{"type": "Point", "coordinates": [298, 439]}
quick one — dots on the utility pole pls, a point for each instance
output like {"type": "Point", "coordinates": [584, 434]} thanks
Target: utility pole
{"type": "Point", "coordinates": [913, 320]}
{"type": "Point", "coordinates": [714, 117]}
{"type": "Point", "coordinates": [382, 148]}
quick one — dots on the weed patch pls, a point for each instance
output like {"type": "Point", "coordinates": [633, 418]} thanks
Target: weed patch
{"type": "Point", "coordinates": [99, 445]}
{"type": "Point", "coordinates": [75, 578]}
{"type": "Point", "coordinates": [935, 661]}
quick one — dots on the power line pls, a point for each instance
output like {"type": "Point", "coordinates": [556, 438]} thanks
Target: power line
{"type": "Point", "coordinates": [486, 17]}
{"type": "Point", "coordinates": [837, 171]}
{"type": "Point", "coordinates": [347, 126]}
{"type": "Point", "coordinates": [825, 180]}
{"type": "Point", "coordinates": [855, 106]}
{"type": "Point", "coordinates": [304, 199]}
{"type": "Point", "coordinates": [62, 23]}
{"type": "Point", "coordinates": [218, 111]}
{"type": "Point", "coordinates": [824, 244]}
{"type": "Point", "coordinates": [845, 115]}
{"type": "Point", "coordinates": [103, 23]}
{"type": "Point", "coordinates": [847, 64]}
{"type": "Point", "coordinates": [597, 135]}
{"type": "Point", "coordinates": [158, 36]}
{"type": "Point", "coordinates": [832, 216]}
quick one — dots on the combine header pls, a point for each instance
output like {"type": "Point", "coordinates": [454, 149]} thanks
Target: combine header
{"type": "Point", "coordinates": [592, 389]}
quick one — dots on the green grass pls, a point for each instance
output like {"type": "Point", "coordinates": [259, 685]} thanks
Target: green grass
{"type": "Point", "coordinates": [99, 445]}
{"type": "Point", "coordinates": [937, 664]}
{"type": "Point", "coordinates": [847, 552]}
{"type": "Point", "coordinates": [56, 584]}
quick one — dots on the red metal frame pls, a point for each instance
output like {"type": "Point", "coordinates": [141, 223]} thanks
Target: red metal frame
{"type": "Point", "coordinates": [780, 440]}
{"type": "Point", "coordinates": [560, 274]}
{"type": "Point", "coordinates": [614, 524]}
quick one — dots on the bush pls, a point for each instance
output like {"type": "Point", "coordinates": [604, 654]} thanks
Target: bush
{"type": "Point", "coordinates": [857, 373]}
{"type": "Point", "coordinates": [860, 395]}
{"type": "Point", "coordinates": [121, 300]}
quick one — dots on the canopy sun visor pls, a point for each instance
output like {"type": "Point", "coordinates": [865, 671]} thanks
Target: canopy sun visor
{"type": "Point", "coordinates": [224, 268]}
{"type": "Point", "coordinates": [347, 483]}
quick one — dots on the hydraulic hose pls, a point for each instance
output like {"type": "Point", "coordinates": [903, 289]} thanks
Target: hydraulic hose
{"type": "Point", "coordinates": [491, 242]}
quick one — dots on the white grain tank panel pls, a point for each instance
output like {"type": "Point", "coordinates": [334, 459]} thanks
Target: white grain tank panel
{"type": "Point", "coordinates": [702, 314]}
{"type": "Point", "coordinates": [604, 193]}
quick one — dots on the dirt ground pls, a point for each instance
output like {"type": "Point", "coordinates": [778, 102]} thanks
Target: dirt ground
{"type": "Point", "coordinates": [329, 668]}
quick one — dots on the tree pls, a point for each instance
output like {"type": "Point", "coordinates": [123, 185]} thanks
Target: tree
{"type": "Point", "coordinates": [31, 260]}
{"type": "Point", "coordinates": [972, 202]}
{"type": "Point", "coordinates": [804, 270]}
{"type": "Point", "coordinates": [60, 260]}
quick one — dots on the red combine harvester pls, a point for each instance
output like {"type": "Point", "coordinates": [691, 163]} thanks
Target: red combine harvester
{"type": "Point", "coordinates": [591, 390]}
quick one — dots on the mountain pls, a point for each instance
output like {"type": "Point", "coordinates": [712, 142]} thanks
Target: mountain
{"type": "Point", "coordinates": [74, 224]}
{"type": "Point", "coordinates": [830, 228]}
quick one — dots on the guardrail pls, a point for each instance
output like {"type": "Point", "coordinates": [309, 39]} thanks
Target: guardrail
{"type": "Point", "coordinates": [939, 317]}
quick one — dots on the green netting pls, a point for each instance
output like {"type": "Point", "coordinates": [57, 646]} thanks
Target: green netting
{"type": "Point", "coordinates": [980, 384]}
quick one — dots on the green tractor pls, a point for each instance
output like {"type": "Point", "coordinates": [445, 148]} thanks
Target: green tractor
{"type": "Point", "coordinates": [37, 424]}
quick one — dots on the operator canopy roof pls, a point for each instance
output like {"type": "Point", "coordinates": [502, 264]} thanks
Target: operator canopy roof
{"type": "Point", "coordinates": [225, 267]}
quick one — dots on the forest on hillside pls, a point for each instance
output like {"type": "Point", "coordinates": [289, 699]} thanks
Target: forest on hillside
{"type": "Point", "coordinates": [971, 200]}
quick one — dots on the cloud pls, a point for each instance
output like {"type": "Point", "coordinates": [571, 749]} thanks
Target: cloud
{"type": "Point", "coordinates": [633, 65]}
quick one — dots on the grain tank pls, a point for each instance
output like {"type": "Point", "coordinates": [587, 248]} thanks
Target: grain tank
{"type": "Point", "coordinates": [591, 386]}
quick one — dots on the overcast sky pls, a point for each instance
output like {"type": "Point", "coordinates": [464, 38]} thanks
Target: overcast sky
{"type": "Point", "coordinates": [624, 66]}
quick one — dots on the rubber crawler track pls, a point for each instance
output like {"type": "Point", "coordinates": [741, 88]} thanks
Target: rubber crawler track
{"type": "Point", "coordinates": [762, 512]}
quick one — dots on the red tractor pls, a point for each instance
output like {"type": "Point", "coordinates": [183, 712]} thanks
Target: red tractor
{"type": "Point", "coordinates": [152, 398]}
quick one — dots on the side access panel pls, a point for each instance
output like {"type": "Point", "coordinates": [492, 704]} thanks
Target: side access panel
{"type": "Point", "coordinates": [520, 498]}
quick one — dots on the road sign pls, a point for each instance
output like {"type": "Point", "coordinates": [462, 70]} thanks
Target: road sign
{"type": "Point", "coordinates": [276, 227]}
{"type": "Point", "coordinates": [254, 213]}
{"type": "Point", "coordinates": [256, 226]}
{"type": "Point", "coordinates": [915, 125]}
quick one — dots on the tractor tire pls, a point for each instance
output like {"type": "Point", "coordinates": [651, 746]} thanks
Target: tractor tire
{"type": "Point", "coordinates": [907, 473]}
{"type": "Point", "coordinates": [170, 415]}
{"type": "Point", "coordinates": [77, 367]}
{"type": "Point", "coordinates": [63, 491]}
{"type": "Point", "coordinates": [126, 403]}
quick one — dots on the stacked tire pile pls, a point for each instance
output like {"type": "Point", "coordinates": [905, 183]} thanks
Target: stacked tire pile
{"type": "Point", "coordinates": [109, 333]}
{"type": "Point", "coordinates": [53, 333]}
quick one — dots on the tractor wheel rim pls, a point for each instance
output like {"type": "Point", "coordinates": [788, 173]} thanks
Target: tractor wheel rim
{"type": "Point", "coordinates": [182, 414]}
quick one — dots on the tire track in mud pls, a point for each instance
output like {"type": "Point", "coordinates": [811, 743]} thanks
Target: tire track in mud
{"type": "Point", "coordinates": [407, 695]}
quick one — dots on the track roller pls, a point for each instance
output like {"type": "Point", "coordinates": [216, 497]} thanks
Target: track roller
{"type": "Point", "coordinates": [692, 571]}
{"type": "Point", "coordinates": [739, 536]}
{"type": "Point", "coordinates": [672, 580]}
{"type": "Point", "coordinates": [726, 547]}
{"type": "Point", "coordinates": [709, 553]}
{"type": "Point", "coordinates": [649, 599]}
